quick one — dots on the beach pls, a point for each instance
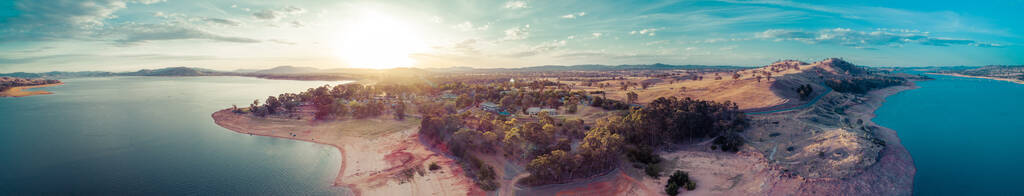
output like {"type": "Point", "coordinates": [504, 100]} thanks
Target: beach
{"type": "Point", "coordinates": [19, 91]}
{"type": "Point", "coordinates": [373, 161]}
{"type": "Point", "coordinates": [982, 77]}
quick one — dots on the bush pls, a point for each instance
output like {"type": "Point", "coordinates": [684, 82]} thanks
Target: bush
{"type": "Point", "coordinates": [804, 91]}
{"type": "Point", "coordinates": [730, 142]}
{"type": "Point", "coordinates": [652, 171]}
{"type": "Point", "coordinates": [672, 189]}
{"type": "Point", "coordinates": [677, 180]}
{"type": "Point", "coordinates": [433, 166]}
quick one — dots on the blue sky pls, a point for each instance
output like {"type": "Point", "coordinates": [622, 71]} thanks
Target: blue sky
{"type": "Point", "coordinates": [122, 35]}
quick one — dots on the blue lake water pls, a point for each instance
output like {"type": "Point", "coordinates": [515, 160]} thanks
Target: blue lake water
{"type": "Point", "coordinates": [153, 135]}
{"type": "Point", "coordinates": [965, 134]}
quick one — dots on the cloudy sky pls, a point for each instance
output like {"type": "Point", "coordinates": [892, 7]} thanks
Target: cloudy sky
{"type": "Point", "coordinates": [122, 35]}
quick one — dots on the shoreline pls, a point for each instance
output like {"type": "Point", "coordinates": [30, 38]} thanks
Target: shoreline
{"type": "Point", "coordinates": [981, 77]}
{"type": "Point", "coordinates": [19, 91]}
{"type": "Point", "coordinates": [895, 165]}
{"type": "Point", "coordinates": [369, 165]}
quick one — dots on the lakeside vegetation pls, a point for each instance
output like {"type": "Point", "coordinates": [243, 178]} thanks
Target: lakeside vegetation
{"type": "Point", "coordinates": [546, 128]}
{"type": "Point", "coordinates": [10, 82]}
{"type": "Point", "coordinates": [553, 148]}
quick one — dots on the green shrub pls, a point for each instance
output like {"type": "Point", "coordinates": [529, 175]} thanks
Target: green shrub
{"type": "Point", "coordinates": [652, 171]}
{"type": "Point", "coordinates": [672, 189]}
{"type": "Point", "coordinates": [679, 179]}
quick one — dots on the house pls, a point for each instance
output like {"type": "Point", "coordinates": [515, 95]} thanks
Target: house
{"type": "Point", "coordinates": [532, 110]}
{"type": "Point", "coordinates": [490, 107]}
{"type": "Point", "coordinates": [538, 110]}
{"type": "Point", "coordinates": [449, 95]}
{"type": "Point", "coordinates": [551, 111]}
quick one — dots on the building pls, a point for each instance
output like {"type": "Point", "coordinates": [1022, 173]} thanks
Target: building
{"type": "Point", "coordinates": [448, 95]}
{"type": "Point", "coordinates": [490, 107]}
{"type": "Point", "coordinates": [538, 110]}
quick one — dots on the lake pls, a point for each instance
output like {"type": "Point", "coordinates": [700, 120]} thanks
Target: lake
{"type": "Point", "coordinates": [964, 134]}
{"type": "Point", "coordinates": [154, 135]}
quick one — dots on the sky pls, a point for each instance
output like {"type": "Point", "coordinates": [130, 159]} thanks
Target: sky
{"type": "Point", "coordinates": [127, 35]}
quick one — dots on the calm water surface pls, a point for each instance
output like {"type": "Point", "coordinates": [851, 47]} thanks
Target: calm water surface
{"type": "Point", "coordinates": [148, 135]}
{"type": "Point", "coordinates": [964, 134]}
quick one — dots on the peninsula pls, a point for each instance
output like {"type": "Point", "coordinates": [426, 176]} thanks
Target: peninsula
{"type": "Point", "coordinates": [15, 87]}
{"type": "Point", "coordinates": [790, 126]}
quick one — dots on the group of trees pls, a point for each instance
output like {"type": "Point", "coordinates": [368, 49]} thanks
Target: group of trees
{"type": "Point", "coordinates": [544, 142]}
{"type": "Point", "coordinates": [560, 150]}
{"type": "Point", "coordinates": [8, 82]}
{"type": "Point", "coordinates": [670, 119]}
{"type": "Point", "coordinates": [512, 98]}
{"type": "Point", "coordinates": [804, 91]}
{"type": "Point", "coordinates": [862, 84]}
{"type": "Point", "coordinates": [609, 104]}
{"type": "Point", "coordinates": [355, 100]}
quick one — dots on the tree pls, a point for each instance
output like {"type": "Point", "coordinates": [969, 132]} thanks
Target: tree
{"type": "Point", "coordinates": [272, 104]}
{"type": "Point", "coordinates": [340, 108]}
{"type": "Point", "coordinates": [255, 103]}
{"type": "Point", "coordinates": [804, 91]}
{"type": "Point", "coordinates": [507, 101]}
{"type": "Point", "coordinates": [572, 108]}
{"type": "Point", "coordinates": [400, 110]}
{"type": "Point", "coordinates": [631, 97]}
{"type": "Point", "coordinates": [679, 179]}
{"type": "Point", "coordinates": [600, 147]}
{"type": "Point", "coordinates": [736, 75]}
{"type": "Point", "coordinates": [463, 101]}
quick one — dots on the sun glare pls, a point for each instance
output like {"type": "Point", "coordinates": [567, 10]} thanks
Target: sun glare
{"type": "Point", "coordinates": [374, 40]}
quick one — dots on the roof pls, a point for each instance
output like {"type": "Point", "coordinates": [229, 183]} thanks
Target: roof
{"type": "Point", "coordinates": [488, 104]}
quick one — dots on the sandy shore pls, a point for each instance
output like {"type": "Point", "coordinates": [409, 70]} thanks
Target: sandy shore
{"type": "Point", "coordinates": [372, 161]}
{"type": "Point", "coordinates": [982, 77]}
{"type": "Point", "coordinates": [20, 90]}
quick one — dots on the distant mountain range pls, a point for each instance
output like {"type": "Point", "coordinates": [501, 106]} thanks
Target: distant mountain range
{"type": "Point", "coordinates": [309, 73]}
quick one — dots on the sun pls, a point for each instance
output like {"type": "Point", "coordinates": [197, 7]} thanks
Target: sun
{"type": "Point", "coordinates": [378, 41]}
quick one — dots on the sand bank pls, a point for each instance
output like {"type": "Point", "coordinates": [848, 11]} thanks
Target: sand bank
{"type": "Point", "coordinates": [19, 91]}
{"type": "Point", "coordinates": [982, 77]}
{"type": "Point", "coordinates": [373, 161]}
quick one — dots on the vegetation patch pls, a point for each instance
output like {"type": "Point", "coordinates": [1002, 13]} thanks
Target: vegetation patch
{"type": "Point", "coordinates": [679, 179]}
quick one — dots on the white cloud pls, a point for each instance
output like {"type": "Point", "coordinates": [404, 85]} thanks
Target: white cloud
{"type": "Point", "coordinates": [597, 35]}
{"type": "Point", "coordinates": [141, 33]}
{"type": "Point", "coordinates": [647, 31]}
{"type": "Point", "coordinates": [515, 4]}
{"type": "Point", "coordinates": [468, 26]}
{"type": "Point", "coordinates": [41, 20]}
{"type": "Point", "coordinates": [571, 16]}
{"type": "Point", "coordinates": [540, 48]}
{"type": "Point", "coordinates": [147, 2]}
{"type": "Point", "coordinates": [866, 40]}
{"type": "Point", "coordinates": [271, 14]}
{"type": "Point", "coordinates": [656, 42]}
{"type": "Point", "coordinates": [517, 33]}
{"type": "Point", "coordinates": [223, 21]}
